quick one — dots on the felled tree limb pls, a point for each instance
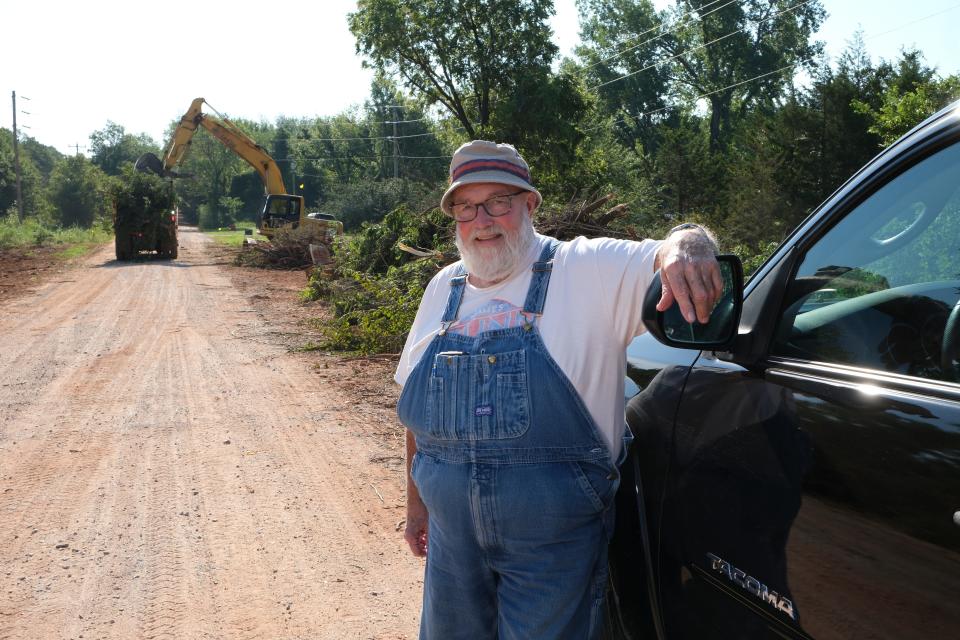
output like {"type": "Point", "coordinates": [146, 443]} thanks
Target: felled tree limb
{"type": "Point", "coordinates": [584, 220]}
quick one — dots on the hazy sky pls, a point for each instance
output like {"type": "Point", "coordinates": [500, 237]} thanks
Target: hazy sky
{"type": "Point", "coordinates": [139, 64]}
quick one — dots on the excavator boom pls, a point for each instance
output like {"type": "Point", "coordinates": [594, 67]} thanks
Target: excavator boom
{"type": "Point", "coordinates": [231, 136]}
{"type": "Point", "coordinates": [280, 209]}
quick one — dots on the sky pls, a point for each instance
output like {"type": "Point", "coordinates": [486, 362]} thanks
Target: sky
{"type": "Point", "coordinates": [77, 65]}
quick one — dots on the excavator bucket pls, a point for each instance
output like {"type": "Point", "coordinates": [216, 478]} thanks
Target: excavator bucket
{"type": "Point", "coordinates": [150, 163]}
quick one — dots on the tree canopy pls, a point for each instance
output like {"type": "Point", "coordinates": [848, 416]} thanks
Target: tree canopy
{"type": "Point", "coordinates": [696, 111]}
{"type": "Point", "coordinates": [463, 55]}
{"type": "Point", "coordinates": [112, 147]}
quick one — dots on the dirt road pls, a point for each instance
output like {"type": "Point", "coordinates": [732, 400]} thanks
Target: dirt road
{"type": "Point", "coordinates": [166, 471]}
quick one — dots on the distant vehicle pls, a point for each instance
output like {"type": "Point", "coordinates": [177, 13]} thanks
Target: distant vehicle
{"type": "Point", "coordinates": [796, 468]}
{"type": "Point", "coordinates": [318, 215]}
{"type": "Point", "coordinates": [280, 209]}
{"type": "Point", "coordinates": [143, 219]}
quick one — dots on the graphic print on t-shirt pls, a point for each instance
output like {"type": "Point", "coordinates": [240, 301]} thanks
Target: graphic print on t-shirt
{"type": "Point", "coordinates": [496, 314]}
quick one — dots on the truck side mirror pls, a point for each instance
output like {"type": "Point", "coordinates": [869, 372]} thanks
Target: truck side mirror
{"type": "Point", "coordinates": [719, 333]}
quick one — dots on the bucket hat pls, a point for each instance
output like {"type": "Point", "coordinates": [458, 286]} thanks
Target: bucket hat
{"type": "Point", "coordinates": [485, 161]}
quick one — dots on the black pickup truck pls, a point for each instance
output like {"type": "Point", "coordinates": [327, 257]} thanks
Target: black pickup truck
{"type": "Point", "coordinates": [796, 465]}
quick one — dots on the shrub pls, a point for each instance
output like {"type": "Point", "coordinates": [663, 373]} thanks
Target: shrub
{"type": "Point", "coordinates": [34, 233]}
{"type": "Point", "coordinates": [373, 314]}
{"type": "Point", "coordinates": [375, 287]}
{"type": "Point", "coordinates": [375, 248]}
{"type": "Point", "coordinates": [370, 200]}
{"type": "Point", "coordinates": [210, 218]}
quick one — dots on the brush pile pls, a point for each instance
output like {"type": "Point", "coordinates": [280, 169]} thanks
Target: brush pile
{"type": "Point", "coordinates": [593, 218]}
{"type": "Point", "coordinates": [288, 249]}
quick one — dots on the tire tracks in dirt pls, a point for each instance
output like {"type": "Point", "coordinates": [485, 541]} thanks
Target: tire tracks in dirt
{"type": "Point", "coordinates": [163, 477]}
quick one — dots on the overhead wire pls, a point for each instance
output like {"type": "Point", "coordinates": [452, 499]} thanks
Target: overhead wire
{"type": "Point", "coordinates": [703, 95]}
{"type": "Point", "coordinates": [770, 73]}
{"type": "Point", "coordinates": [388, 155]}
{"type": "Point", "coordinates": [913, 22]}
{"type": "Point", "coordinates": [369, 138]}
{"type": "Point", "coordinates": [673, 28]}
{"type": "Point", "coordinates": [697, 48]}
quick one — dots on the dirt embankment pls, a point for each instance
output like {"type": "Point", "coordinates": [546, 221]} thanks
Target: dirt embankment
{"type": "Point", "coordinates": [170, 467]}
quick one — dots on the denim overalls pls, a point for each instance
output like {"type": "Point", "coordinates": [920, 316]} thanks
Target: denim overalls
{"type": "Point", "coordinates": [516, 478]}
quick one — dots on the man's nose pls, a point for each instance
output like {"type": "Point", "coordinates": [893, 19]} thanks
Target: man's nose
{"type": "Point", "coordinates": [486, 218]}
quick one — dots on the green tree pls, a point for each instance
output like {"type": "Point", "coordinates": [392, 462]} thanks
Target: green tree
{"type": "Point", "coordinates": [463, 55]}
{"type": "Point", "coordinates": [686, 171]}
{"type": "Point", "coordinates": [112, 147]}
{"type": "Point", "coordinates": [426, 157]}
{"type": "Point", "coordinates": [740, 55]}
{"type": "Point", "coordinates": [619, 54]}
{"type": "Point", "coordinates": [44, 157]}
{"type": "Point", "coordinates": [77, 191]}
{"type": "Point", "coordinates": [543, 118]}
{"type": "Point", "coordinates": [8, 176]}
{"type": "Point", "coordinates": [736, 56]}
{"type": "Point", "coordinates": [211, 168]}
{"type": "Point", "coordinates": [914, 92]}
{"type": "Point", "coordinates": [33, 178]}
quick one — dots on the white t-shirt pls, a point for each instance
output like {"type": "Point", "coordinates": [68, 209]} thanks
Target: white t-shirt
{"type": "Point", "coordinates": [591, 314]}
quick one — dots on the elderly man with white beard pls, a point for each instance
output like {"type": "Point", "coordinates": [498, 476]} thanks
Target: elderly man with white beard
{"type": "Point", "coordinates": [512, 397]}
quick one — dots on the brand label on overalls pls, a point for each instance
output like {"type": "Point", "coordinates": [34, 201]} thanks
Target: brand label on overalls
{"type": "Point", "coordinates": [483, 410]}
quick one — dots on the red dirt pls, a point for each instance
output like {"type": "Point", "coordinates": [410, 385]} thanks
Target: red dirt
{"type": "Point", "coordinates": [171, 466]}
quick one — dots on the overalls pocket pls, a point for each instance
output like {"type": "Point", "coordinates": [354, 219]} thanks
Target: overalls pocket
{"type": "Point", "coordinates": [478, 397]}
{"type": "Point", "coordinates": [598, 482]}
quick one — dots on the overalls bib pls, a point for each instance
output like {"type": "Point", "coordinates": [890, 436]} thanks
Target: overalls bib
{"type": "Point", "coordinates": [517, 481]}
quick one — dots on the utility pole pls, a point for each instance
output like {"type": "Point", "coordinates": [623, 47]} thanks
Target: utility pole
{"type": "Point", "coordinates": [396, 145]}
{"type": "Point", "coordinates": [16, 160]}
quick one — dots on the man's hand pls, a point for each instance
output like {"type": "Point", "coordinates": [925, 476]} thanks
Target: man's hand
{"type": "Point", "coordinates": [690, 273]}
{"type": "Point", "coordinates": [415, 532]}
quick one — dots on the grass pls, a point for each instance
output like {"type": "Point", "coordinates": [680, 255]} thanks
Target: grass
{"type": "Point", "coordinates": [233, 238]}
{"type": "Point", "coordinates": [32, 233]}
{"type": "Point", "coordinates": [77, 250]}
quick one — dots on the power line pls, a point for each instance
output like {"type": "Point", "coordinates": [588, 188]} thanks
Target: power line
{"type": "Point", "coordinates": [702, 46]}
{"type": "Point", "coordinates": [414, 135]}
{"type": "Point", "coordinates": [400, 121]}
{"type": "Point", "coordinates": [373, 122]}
{"type": "Point", "coordinates": [704, 95]}
{"type": "Point", "coordinates": [367, 138]}
{"type": "Point", "coordinates": [877, 35]}
{"type": "Point", "coordinates": [373, 157]}
{"type": "Point", "coordinates": [643, 33]}
{"type": "Point", "coordinates": [673, 28]}
{"type": "Point", "coordinates": [770, 73]}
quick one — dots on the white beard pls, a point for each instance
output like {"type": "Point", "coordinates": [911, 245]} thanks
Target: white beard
{"type": "Point", "coordinates": [497, 263]}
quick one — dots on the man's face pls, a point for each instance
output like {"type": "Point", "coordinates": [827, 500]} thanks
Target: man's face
{"type": "Point", "coordinates": [491, 246]}
{"type": "Point", "coordinates": [485, 230]}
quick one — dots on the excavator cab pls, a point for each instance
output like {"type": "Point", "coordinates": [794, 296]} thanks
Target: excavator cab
{"type": "Point", "coordinates": [280, 210]}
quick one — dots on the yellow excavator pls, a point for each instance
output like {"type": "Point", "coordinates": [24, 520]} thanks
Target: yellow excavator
{"type": "Point", "coordinates": [280, 209]}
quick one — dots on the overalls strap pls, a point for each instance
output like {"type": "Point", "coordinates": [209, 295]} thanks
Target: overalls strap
{"type": "Point", "coordinates": [457, 284]}
{"type": "Point", "coordinates": [537, 293]}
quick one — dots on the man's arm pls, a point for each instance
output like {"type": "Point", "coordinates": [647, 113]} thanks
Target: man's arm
{"type": "Point", "coordinates": [689, 272]}
{"type": "Point", "coordinates": [415, 532]}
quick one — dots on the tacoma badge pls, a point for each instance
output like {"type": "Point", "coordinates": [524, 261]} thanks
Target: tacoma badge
{"type": "Point", "coordinates": [752, 585]}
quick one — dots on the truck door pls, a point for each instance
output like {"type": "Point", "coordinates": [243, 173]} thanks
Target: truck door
{"type": "Point", "coordinates": [817, 495]}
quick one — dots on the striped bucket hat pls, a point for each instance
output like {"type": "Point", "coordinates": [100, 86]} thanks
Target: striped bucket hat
{"type": "Point", "coordinates": [484, 161]}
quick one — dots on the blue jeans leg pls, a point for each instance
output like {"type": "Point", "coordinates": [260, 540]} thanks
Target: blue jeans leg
{"type": "Point", "coordinates": [515, 552]}
{"type": "Point", "coordinates": [459, 588]}
{"type": "Point", "coordinates": [552, 567]}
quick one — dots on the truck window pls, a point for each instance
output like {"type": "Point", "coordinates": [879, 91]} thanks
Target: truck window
{"type": "Point", "coordinates": [876, 290]}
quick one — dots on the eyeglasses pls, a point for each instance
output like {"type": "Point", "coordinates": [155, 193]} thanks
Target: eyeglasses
{"type": "Point", "coordinates": [495, 207]}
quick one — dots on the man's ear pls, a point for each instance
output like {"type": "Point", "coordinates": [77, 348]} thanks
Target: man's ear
{"type": "Point", "coordinates": [531, 202]}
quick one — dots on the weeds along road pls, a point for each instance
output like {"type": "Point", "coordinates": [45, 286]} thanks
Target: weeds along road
{"type": "Point", "coordinates": [162, 476]}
